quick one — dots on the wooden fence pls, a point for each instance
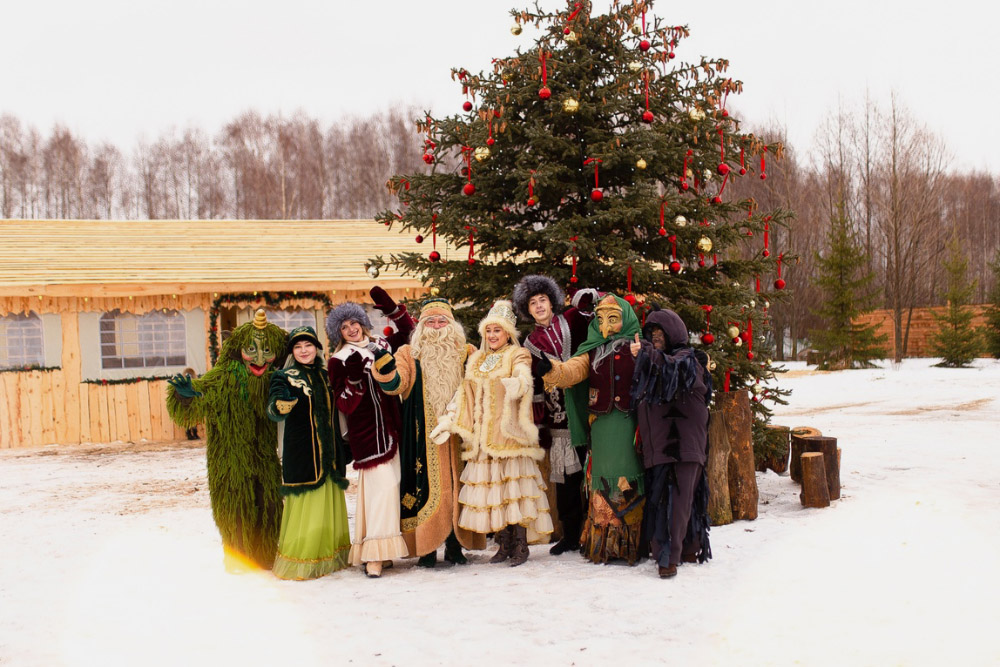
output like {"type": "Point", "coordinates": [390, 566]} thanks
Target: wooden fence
{"type": "Point", "coordinates": [923, 326]}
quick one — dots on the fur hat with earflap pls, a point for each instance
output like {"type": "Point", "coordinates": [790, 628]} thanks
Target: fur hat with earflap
{"type": "Point", "coordinates": [501, 314]}
{"type": "Point", "coordinates": [342, 313]}
{"type": "Point", "coordinates": [530, 286]}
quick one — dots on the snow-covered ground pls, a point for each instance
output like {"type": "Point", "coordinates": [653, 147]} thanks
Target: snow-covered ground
{"type": "Point", "coordinates": [109, 556]}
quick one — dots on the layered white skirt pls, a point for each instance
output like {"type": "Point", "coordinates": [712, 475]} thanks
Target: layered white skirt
{"type": "Point", "coordinates": [497, 493]}
{"type": "Point", "coordinates": [377, 535]}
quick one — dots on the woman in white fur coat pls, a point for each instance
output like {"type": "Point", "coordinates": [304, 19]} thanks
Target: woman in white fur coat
{"type": "Point", "coordinates": [502, 487]}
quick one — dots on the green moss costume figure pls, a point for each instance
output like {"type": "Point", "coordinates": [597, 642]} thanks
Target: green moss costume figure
{"type": "Point", "coordinates": [244, 476]}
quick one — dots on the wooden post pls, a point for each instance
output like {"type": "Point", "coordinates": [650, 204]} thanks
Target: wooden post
{"type": "Point", "coordinates": [814, 490]}
{"type": "Point", "coordinates": [828, 447]}
{"type": "Point", "coordinates": [720, 511]}
{"type": "Point", "coordinates": [735, 409]}
{"type": "Point", "coordinates": [798, 446]}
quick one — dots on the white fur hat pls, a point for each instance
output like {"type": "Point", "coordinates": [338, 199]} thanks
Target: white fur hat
{"type": "Point", "coordinates": [502, 314]}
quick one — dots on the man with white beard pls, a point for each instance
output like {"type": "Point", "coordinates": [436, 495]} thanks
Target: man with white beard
{"type": "Point", "coordinates": [425, 374]}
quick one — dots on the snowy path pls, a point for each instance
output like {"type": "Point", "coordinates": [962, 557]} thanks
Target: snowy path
{"type": "Point", "coordinates": [110, 557]}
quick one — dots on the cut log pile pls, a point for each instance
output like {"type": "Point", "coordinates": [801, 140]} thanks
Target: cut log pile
{"type": "Point", "coordinates": [815, 464]}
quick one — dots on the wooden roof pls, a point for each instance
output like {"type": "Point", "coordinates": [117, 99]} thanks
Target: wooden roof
{"type": "Point", "coordinates": [113, 258]}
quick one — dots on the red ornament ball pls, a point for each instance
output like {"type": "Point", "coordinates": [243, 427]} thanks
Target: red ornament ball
{"type": "Point", "coordinates": [684, 185]}
{"type": "Point", "coordinates": [766, 253]}
{"type": "Point", "coordinates": [675, 267]}
{"type": "Point", "coordinates": [419, 239]}
{"type": "Point", "coordinates": [662, 231]}
{"type": "Point", "coordinates": [467, 105]}
{"type": "Point", "coordinates": [671, 55]}
{"type": "Point", "coordinates": [750, 355]}
{"type": "Point", "coordinates": [471, 261]}
{"type": "Point", "coordinates": [435, 256]}
{"type": "Point", "coordinates": [701, 263]}
{"type": "Point", "coordinates": [644, 45]}
{"type": "Point", "coordinates": [647, 116]}
{"type": "Point", "coordinates": [723, 168]}
{"type": "Point", "coordinates": [763, 176]}
{"type": "Point", "coordinates": [490, 141]}
{"type": "Point", "coordinates": [707, 338]}
{"type": "Point", "coordinates": [387, 331]}
{"type": "Point", "coordinates": [574, 279]}
{"type": "Point", "coordinates": [630, 298]}
{"type": "Point", "coordinates": [707, 309]}
{"type": "Point", "coordinates": [429, 158]}
{"type": "Point", "coordinates": [544, 92]}
{"type": "Point", "coordinates": [469, 189]}
{"type": "Point", "coordinates": [532, 201]}
{"type": "Point", "coordinates": [566, 30]}
{"type": "Point", "coordinates": [596, 195]}
{"type": "Point", "coordinates": [779, 284]}
{"type": "Point", "coordinates": [716, 199]}
{"type": "Point", "coordinates": [745, 336]}
{"type": "Point", "coordinates": [743, 171]}
{"type": "Point", "coordinates": [725, 114]}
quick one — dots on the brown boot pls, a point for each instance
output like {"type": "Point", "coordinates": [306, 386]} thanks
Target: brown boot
{"type": "Point", "coordinates": [668, 571]}
{"type": "Point", "coordinates": [504, 539]}
{"type": "Point", "coordinates": [519, 552]}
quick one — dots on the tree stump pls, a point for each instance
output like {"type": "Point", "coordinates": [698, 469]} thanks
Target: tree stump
{"type": "Point", "coordinates": [777, 457]}
{"type": "Point", "coordinates": [827, 447]}
{"type": "Point", "coordinates": [735, 409]}
{"type": "Point", "coordinates": [798, 447]}
{"type": "Point", "coordinates": [814, 490]}
{"type": "Point", "coordinates": [717, 469]}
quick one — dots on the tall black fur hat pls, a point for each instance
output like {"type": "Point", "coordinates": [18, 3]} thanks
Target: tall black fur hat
{"type": "Point", "coordinates": [529, 286]}
{"type": "Point", "coordinates": [343, 312]}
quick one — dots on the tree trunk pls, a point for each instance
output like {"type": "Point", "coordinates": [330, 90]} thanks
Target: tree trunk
{"type": "Point", "coordinates": [798, 447]}
{"type": "Point", "coordinates": [777, 461]}
{"type": "Point", "coordinates": [717, 469]}
{"type": "Point", "coordinates": [735, 409]}
{"type": "Point", "coordinates": [828, 448]}
{"type": "Point", "coordinates": [814, 490]}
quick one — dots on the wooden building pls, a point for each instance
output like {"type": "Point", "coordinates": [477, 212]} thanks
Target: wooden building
{"type": "Point", "coordinates": [95, 315]}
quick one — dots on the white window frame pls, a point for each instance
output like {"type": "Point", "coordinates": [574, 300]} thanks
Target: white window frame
{"type": "Point", "coordinates": [18, 332]}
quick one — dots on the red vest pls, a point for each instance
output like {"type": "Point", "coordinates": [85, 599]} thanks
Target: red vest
{"type": "Point", "coordinates": [611, 380]}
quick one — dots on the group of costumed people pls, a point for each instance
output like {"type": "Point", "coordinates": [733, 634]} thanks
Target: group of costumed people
{"type": "Point", "coordinates": [447, 438]}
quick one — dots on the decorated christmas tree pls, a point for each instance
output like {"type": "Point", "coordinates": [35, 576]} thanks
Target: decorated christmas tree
{"type": "Point", "coordinates": [843, 342]}
{"type": "Point", "coordinates": [598, 158]}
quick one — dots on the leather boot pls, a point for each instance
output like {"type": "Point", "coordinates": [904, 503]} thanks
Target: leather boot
{"type": "Point", "coordinates": [519, 552]}
{"type": "Point", "coordinates": [668, 571]}
{"type": "Point", "coordinates": [504, 539]}
{"type": "Point", "coordinates": [428, 560]}
{"type": "Point", "coordinates": [453, 551]}
{"type": "Point", "coordinates": [567, 543]}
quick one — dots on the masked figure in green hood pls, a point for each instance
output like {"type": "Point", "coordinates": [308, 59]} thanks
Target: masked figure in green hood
{"type": "Point", "coordinates": [244, 475]}
{"type": "Point", "coordinates": [603, 368]}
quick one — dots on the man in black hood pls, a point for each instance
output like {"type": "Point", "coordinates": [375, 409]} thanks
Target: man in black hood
{"type": "Point", "coordinates": [671, 389]}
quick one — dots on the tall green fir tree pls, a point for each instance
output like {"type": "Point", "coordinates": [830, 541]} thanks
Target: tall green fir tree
{"type": "Point", "coordinates": [956, 341]}
{"type": "Point", "coordinates": [843, 342]}
{"type": "Point", "coordinates": [991, 330]}
{"type": "Point", "coordinates": [598, 158]}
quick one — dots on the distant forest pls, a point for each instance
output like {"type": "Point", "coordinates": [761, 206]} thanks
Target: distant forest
{"type": "Point", "coordinates": [893, 177]}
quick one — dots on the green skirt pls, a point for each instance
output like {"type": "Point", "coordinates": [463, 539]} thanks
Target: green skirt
{"type": "Point", "coordinates": [315, 539]}
{"type": "Point", "coordinates": [612, 454]}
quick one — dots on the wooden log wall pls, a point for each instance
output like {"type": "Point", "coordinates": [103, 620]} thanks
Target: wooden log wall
{"type": "Point", "coordinates": [923, 326]}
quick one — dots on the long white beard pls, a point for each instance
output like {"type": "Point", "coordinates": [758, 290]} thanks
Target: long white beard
{"type": "Point", "coordinates": [440, 354]}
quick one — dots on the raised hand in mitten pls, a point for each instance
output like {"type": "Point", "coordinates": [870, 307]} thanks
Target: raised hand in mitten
{"type": "Point", "coordinates": [183, 386]}
{"type": "Point", "coordinates": [382, 300]}
{"type": "Point", "coordinates": [384, 362]}
{"type": "Point", "coordinates": [354, 365]}
{"type": "Point", "coordinates": [585, 299]}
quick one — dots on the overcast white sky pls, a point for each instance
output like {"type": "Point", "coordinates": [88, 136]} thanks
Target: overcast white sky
{"type": "Point", "coordinates": [119, 69]}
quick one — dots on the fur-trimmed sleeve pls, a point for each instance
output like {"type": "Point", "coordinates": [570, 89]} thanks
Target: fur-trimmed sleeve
{"type": "Point", "coordinates": [568, 373]}
{"type": "Point", "coordinates": [404, 328]}
{"type": "Point", "coordinates": [399, 381]}
{"type": "Point", "coordinates": [521, 370]}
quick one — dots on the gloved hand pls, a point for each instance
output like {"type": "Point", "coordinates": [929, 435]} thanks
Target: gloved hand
{"type": "Point", "coordinates": [585, 299]}
{"type": "Point", "coordinates": [382, 300]}
{"type": "Point", "coordinates": [512, 387]}
{"type": "Point", "coordinates": [442, 431]}
{"type": "Point", "coordinates": [542, 366]}
{"type": "Point", "coordinates": [355, 367]}
{"type": "Point", "coordinates": [384, 362]}
{"type": "Point", "coordinates": [183, 387]}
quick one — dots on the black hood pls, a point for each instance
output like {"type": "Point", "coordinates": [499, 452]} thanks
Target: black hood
{"type": "Point", "coordinates": [672, 325]}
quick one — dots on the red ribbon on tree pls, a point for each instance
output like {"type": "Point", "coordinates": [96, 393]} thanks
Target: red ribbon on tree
{"type": "Point", "coordinates": [577, 7]}
{"type": "Point", "coordinates": [750, 338]}
{"type": "Point", "coordinates": [628, 274]}
{"type": "Point", "coordinates": [675, 266]}
{"type": "Point", "coordinates": [531, 189]}
{"type": "Point", "coordinates": [647, 115]}
{"type": "Point", "coordinates": [762, 165]}
{"type": "Point", "coordinates": [573, 279]}
{"type": "Point", "coordinates": [544, 91]}
{"type": "Point", "coordinates": [767, 229]}
{"type": "Point", "coordinates": [757, 278]}
{"type": "Point", "coordinates": [743, 162]}
{"type": "Point", "coordinates": [663, 230]}
{"type": "Point", "coordinates": [468, 188]}
{"type": "Point", "coordinates": [489, 122]}
{"type": "Point", "coordinates": [472, 244]}
{"type": "Point", "coordinates": [779, 283]}
{"type": "Point", "coordinates": [595, 194]}
{"type": "Point", "coordinates": [684, 171]}
{"type": "Point", "coordinates": [707, 338]}
{"type": "Point", "coordinates": [725, 384]}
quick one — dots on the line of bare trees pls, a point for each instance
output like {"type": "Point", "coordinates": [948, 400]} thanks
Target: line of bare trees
{"type": "Point", "coordinates": [891, 174]}
{"type": "Point", "coordinates": [256, 167]}
{"type": "Point", "coordinates": [894, 179]}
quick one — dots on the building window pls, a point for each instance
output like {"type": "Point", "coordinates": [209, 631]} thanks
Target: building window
{"type": "Point", "coordinates": [290, 319]}
{"type": "Point", "coordinates": [22, 342]}
{"type": "Point", "coordinates": [152, 340]}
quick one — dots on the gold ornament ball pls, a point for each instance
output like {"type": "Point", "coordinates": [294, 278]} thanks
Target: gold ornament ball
{"type": "Point", "coordinates": [640, 164]}
{"type": "Point", "coordinates": [712, 365]}
{"type": "Point", "coordinates": [752, 303]}
{"type": "Point", "coordinates": [706, 175]}
{"type": "Point", "coordinates": [571, 37]}
{"type": "Point", "coordinates": [696, 114]}
{"type": "Point", "coordinates": [481, 153]}
{"type": "Point", "coordinates": [516, 29]}
{"type": "Point", "coordinates": [758, 390]}
{"type": "Point", "coordinates": [733, 332]}
{"type": "Point", "coordinates": [373, 272]}
{"type": "Point", "coordinates": [767, 304]}
{"type": "Point", "coordinates": [738, 342]}
{"type": "Point", "coordinates": [680, 221]}
{"type": "Point", "coordinates": [689, 173]}
{"type": "Point", "coordinates": [635, 66]}
{"type": "Point", "coordinates": [636, 30]}
{"type": "Point", "coordinates": [437, 290]}
{"type": "Point", "coordinates": [705, 244]}
{"type": "Point", "coordinates": [570, 105]}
